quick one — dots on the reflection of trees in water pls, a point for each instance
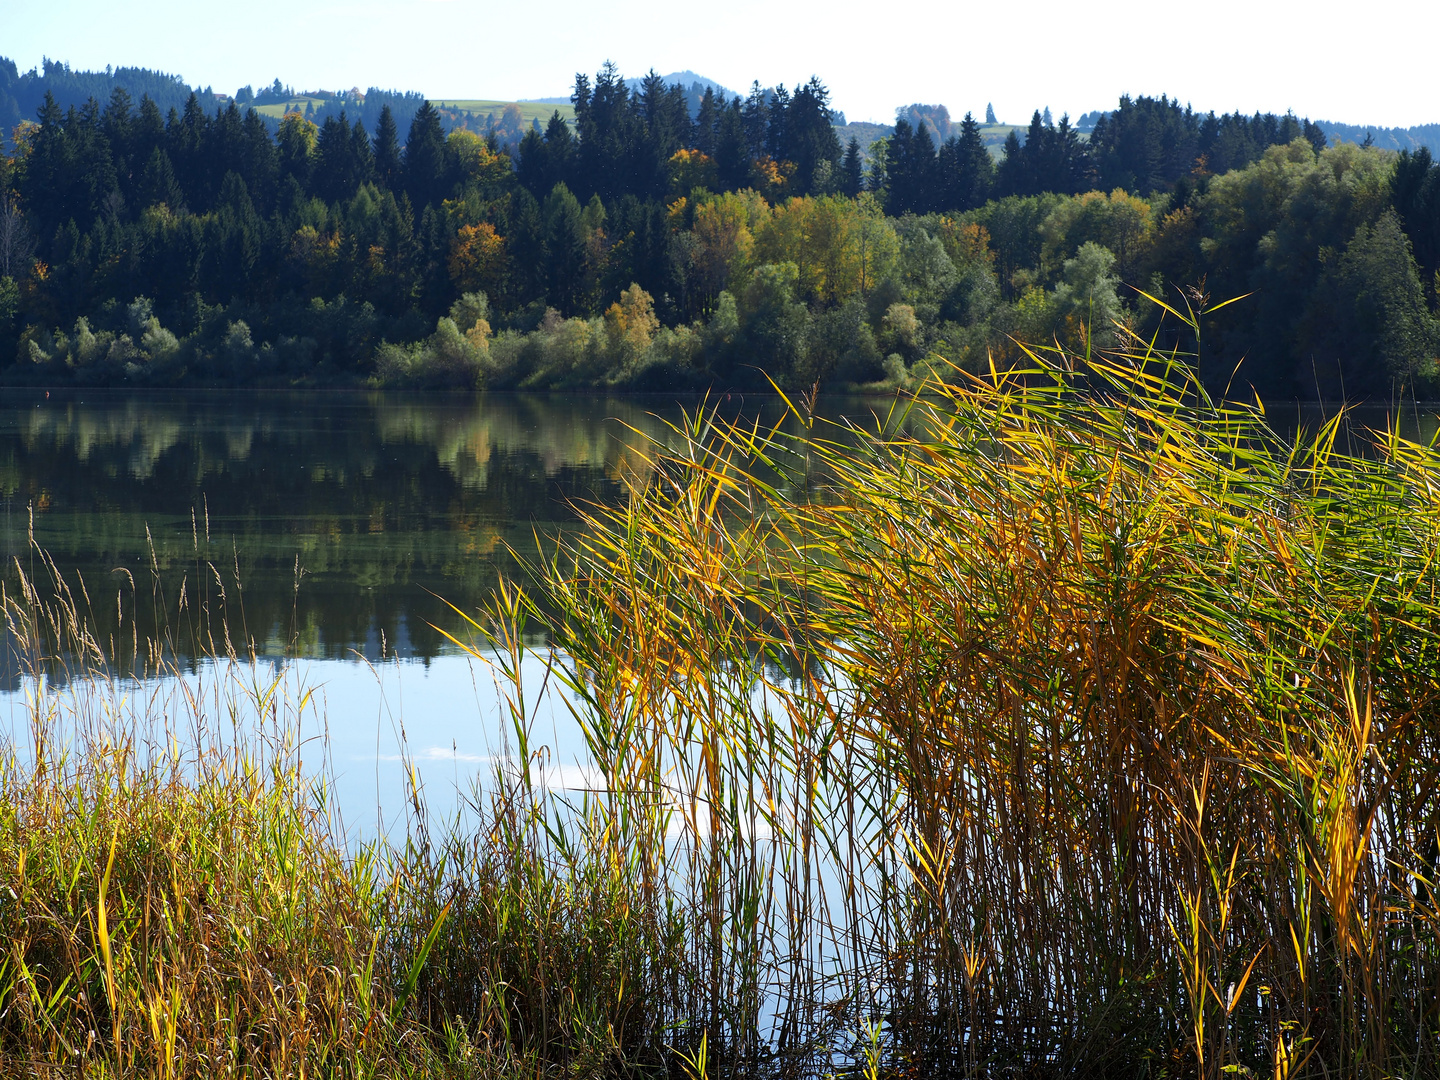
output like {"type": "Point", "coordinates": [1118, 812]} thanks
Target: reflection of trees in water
{"type": "Point", "coordinates": [374, 499]}
{"type": "Point", "coordinates": [135, 434]}
{"type": "Point", "coordinates": [560, 432]}
{"type": "Point", "coordinates": [377, 501]}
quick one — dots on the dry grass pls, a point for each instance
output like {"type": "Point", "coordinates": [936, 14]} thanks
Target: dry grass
{"type": "Point", "coordinates": [1070, 724]}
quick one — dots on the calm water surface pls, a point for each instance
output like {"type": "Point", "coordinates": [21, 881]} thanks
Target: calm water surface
{"type": "Point", "coordinates": [330, 531]}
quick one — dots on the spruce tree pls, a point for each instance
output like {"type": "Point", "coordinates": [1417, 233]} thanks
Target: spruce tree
{"type": "Point", "coordinates": [705, 124]}
{"type": "Point", "coordinates": [533, 166]}
{"type": "Point", "coordinates": [755, 113]}
{"type": "Point", "coordinates": [975, 166]}
{"type": "Point", "coordinates": [387, 150]}
{"type": "Point", "coordinates": [157, 183]}
{"type": "Point", "coordinates": [1010, 174]}
{"type": "Point", "coordinates": [732, 157]}
{"type": "Point", "coordinates": [852, 171]}
{"type": "Point", "coordinates": [564, 249]}
{"type": "Point", "coordinates": [332, 150]}
{"type": "Point", "coordinates": [777, 141]}
{"type": "Point", "coordinates": [990, 115]}
{"type": "Point", "coordinates": [813, 144]}
{"type": "Point", "coordinates": [925, 171]}
{"type": "Point", "coordinates": [559, 152]}
{"type": "Point", "coordinates": [425, 158]}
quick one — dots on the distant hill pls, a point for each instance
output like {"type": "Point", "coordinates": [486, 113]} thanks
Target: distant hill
{"type": "Point", "coordinates": [690, 81]}
{"type": "Point", "coordinates": [21, 95]}
{"type": "Point", "coordinates": [1427, 135]}
{"type": "Point", "coordinates": [508, 119]}
{"type": "Point", "coordinates": [865, 133]}
{"type": "Point", "coordinates": [687, 79]}
{"type": "Point", "coordinates": [1412, 138]}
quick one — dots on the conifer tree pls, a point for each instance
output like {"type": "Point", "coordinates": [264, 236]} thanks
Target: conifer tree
{"type": "Point", "coordinates": [157, 183]}
{"type": "Point", "coordinates": [426, 166]}
{"type": "Point", "coordinates": [977, 168]}
{"type": "Point", "coordinates": [387, 150]}
{"type": "Point", "coordinates": [705, 123]}
{"type": "Point", "coordinates": [564, 249]}
{"type": "Point", "coordinates": [755, 113]}
{"type": "Point", "coordinates": [732, 157]}
{"type": "Point", "coordinates": [852, 171]}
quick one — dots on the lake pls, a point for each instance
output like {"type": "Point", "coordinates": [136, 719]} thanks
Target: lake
{"type": "Point", "coordinates": [330, 531]}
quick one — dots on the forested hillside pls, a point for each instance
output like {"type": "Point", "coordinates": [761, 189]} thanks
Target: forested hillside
{"type": "Point", "coordinates": [22, 94]}
{"type": "Point", "coordinates": [655, 242]}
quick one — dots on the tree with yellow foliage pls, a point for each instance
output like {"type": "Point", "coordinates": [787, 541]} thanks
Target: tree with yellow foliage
{"type": "Point", "coordinates": [724, 244]}
{"type": "Point", "coordinates": [630, 323]}
{"type": "Point", "coordinates": [477, 162]}
{"type": "Point", "coordinates": [1119, 221]}
{"type": "Point", "coordinates": [477, 258]}
{"type": "Point", "coordinates": [690, 169]}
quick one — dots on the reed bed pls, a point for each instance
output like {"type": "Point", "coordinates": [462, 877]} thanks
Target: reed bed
{"type": "Point", "coordinates": [1065, 723]}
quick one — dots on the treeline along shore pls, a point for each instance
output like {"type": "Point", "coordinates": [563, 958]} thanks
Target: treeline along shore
{"type": "Point", "coordinates": [657, 243]}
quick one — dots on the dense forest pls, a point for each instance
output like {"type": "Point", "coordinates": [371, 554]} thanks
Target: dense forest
{"type": "Point", "coordinates": [665, 241]}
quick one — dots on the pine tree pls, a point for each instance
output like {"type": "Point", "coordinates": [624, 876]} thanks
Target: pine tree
{"type": "Point", "coordinates": [990, 115]}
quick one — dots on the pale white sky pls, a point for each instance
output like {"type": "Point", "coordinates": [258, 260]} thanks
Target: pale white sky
{"type": "Point", "coordinates": [1365, 63]}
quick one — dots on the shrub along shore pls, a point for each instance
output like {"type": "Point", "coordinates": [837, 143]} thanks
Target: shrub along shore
{"type": "Point", "coordinates": [1068, 723]}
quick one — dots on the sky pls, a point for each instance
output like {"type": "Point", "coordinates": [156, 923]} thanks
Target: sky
{"type": "Point", "coordinates": [1347, 63]}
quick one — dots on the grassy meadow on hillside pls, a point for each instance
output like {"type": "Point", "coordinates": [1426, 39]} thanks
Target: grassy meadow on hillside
{"type": "Point", "coordinates": [529, 110]}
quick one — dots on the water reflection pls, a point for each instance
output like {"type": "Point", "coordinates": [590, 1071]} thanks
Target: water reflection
{"type": "Point", "coordinates": [323, 524]}
{"type": "Point", "coordinates": [325, 528]}
{"type": "Point", "coordinates": [320, 524]}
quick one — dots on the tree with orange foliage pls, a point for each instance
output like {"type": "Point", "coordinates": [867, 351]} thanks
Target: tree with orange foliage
{"type": "Point", "coordinates": [770, 177]}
